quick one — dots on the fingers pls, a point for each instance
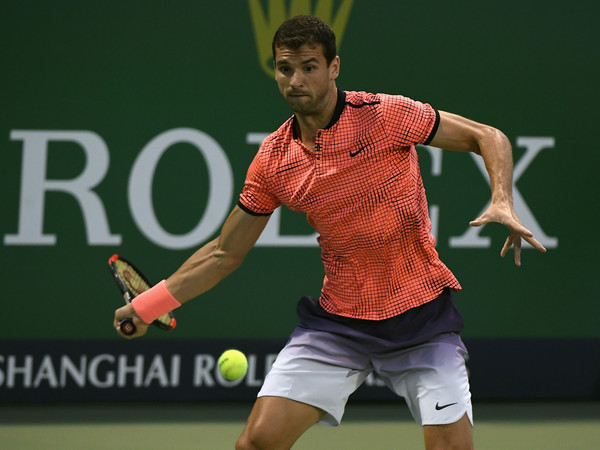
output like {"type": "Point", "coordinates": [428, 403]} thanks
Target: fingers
{"type": "Point", "coordinates": [124, 312]}
{"type": "Point", "coordinates": [140, 329]}
{"type": "Point", "coordinates": [478, 222]}
{"type": "Point", "coordinates": [528, 236]}
{"type": "Point", "coordinates": [506, 247]}
{"type": "Point", "coordinates": [517, 247]}
{"type": "Point", "coordinates": [510, 222]}
{"type": "Point", "coordinates": [534, 243]}
{"type": "Point", "coordinates": [515, 241]}
{"type": "Point", "coordinates": [506, 216]}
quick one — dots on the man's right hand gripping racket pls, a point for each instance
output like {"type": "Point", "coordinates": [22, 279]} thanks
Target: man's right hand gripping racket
{"type": "Point", "coordinates": [131, 283]}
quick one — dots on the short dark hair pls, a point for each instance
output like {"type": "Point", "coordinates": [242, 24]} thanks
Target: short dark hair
{"type": "Point", "coordinates": [300, 30]}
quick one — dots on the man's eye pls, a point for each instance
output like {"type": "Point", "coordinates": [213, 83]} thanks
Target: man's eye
{"type": "Point", "coordinates": [309, 68]}
{"type": "Point", "coordinates": [284, 69]}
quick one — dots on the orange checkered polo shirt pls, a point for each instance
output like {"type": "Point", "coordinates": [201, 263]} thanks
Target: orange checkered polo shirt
{"type": "Point", "coordinates": [361, 190]}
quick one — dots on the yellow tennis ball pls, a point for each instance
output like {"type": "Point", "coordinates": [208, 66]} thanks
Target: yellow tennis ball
{"type": "Point", "coordinates": [233, 364]}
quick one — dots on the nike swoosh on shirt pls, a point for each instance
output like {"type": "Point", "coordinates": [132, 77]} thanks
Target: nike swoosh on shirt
{"type": "Point", "coordinates": [439, 408]}
{"type": "Point", "coordinates": [353, 154]}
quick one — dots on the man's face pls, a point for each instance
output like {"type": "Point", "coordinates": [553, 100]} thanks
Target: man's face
{"type": "Point", "coordinates": [304, 78]}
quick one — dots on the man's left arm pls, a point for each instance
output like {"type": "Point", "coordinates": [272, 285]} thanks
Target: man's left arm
{"type": "Point", "coordinates": [460, 134]}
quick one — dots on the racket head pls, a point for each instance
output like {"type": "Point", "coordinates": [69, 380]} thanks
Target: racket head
{"type": "Point", "coordinates": [132, 282]}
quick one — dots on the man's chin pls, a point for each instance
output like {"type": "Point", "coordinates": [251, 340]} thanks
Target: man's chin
{"type": "Point", "coordinates": [300, 104]}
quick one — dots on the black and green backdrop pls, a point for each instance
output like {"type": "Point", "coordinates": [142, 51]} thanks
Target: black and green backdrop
{"type": "Point", "coordinates": [127, 127]}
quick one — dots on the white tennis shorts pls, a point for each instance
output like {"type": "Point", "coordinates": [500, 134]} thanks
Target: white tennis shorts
{"type": "Point", "coordinates": [323, 369]}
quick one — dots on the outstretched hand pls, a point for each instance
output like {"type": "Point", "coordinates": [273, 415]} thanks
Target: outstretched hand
{"type": "Point", "coordinates": [507, 216]}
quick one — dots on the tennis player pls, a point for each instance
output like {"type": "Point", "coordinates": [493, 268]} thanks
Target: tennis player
{"type": "Point", "coordinates": [348, 160]}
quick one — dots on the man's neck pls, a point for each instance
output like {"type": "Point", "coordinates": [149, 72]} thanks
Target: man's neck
{"type": "Point", "coordinates": [308, 125]}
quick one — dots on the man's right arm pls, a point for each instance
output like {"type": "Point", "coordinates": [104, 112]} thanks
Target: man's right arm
{"type": "Point", "coordinates": [217, 259]}
{"type": "Point", "coordinates": [208, 266]}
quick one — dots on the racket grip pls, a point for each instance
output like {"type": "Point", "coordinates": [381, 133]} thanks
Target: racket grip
{"type": "Point", "coordinates": [127, 327]}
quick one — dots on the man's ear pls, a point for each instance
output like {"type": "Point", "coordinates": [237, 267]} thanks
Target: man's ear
{"type": "Point", "coordinates": [334, 68]}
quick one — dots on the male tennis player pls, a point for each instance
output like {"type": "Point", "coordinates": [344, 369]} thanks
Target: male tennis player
{"type": "Point", "coordinates": [348, 160]}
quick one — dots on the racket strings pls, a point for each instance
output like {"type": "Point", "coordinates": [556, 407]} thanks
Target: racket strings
{"type": "Point", "coordinates": [132, 278]}
{"type": "Point", "coordinates": [138, 284]}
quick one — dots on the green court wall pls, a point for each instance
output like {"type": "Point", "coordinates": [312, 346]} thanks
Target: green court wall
{"type": "Point", "coordinates": [169, 100]}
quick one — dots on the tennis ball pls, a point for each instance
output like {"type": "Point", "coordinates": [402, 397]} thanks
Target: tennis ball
{"type": "Point", "coordinates": [233, 364]}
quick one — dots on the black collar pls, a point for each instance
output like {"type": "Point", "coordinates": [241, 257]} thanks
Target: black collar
{"type": "Point", "coordinates": [339, 107]}
{"type": "Point", "coordinates": [337, 112]}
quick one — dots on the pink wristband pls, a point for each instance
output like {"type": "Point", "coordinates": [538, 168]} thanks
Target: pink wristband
{"type": "Point", "coordinates": [154, 302]}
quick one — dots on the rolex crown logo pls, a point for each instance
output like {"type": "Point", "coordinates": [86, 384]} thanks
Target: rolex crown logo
{"type": "Point", "coordinates": [265, 23]}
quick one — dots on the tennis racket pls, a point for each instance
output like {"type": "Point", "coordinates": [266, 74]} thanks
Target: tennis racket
{"type": "Point", "coordinates": [131, 283]}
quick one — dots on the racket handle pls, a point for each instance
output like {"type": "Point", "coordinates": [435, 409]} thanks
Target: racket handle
{"type": "Point", "coordinates": [127, 327]}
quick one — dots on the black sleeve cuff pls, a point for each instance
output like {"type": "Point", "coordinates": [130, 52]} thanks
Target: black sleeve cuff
{"type": "Point", "coordinates": [434, 129]}
{"type": "Point", "coordinates": [249, 211]}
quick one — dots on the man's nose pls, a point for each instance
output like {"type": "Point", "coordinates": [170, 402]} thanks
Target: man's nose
{"type": "Point", "coordinates": [297, 79]}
